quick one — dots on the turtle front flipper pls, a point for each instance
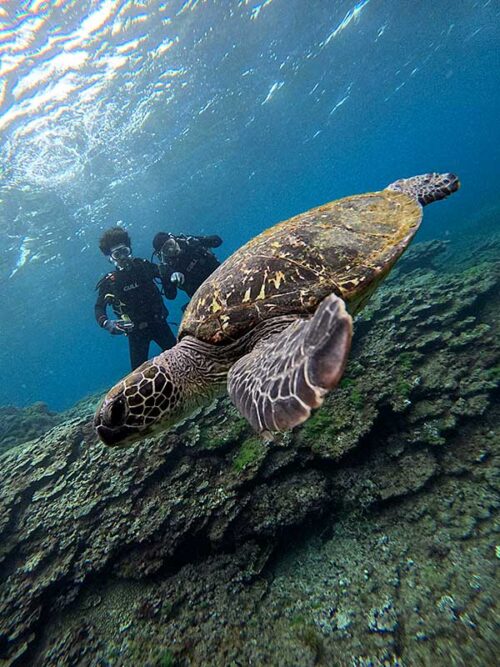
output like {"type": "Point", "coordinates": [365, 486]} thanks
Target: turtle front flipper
{"type": "Point", "coordinates": [288, 374]}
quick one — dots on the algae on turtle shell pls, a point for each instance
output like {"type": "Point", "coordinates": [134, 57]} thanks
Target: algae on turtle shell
{"type": "Point", "coordinates": [273, 323]}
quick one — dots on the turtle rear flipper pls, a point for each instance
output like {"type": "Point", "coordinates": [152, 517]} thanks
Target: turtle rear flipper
{"type": "Point", "coordinates": [277, 384]}
{"type": "Point", "coordinates": [427, 188]}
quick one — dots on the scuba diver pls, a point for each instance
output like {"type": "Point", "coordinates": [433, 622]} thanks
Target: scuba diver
{"type": "Point", "coordinates": [185, 261]}
{"type": "Point", "coordinates": [134, 297]}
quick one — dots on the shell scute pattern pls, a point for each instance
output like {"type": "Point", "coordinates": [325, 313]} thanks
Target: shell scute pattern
{"type": "Point", "coordinates": [340, 247]}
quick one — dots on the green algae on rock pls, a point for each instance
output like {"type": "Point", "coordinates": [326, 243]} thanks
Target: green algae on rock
{"type": "Point", "coordinates": [251, 452]}
{"type": "Point", "coordinates": [368, 509]}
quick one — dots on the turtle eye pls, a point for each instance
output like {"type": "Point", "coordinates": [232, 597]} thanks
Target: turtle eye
{"type": "Point", "coordinates": [116, 413]}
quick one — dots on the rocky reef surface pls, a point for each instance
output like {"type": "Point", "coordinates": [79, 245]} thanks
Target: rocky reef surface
{"type": "Point", "coordinates": [18, 425]}
{"type": "Point", "coordinates": [21, 425]}
{"type": "Point", "coordinates": [367, 537]}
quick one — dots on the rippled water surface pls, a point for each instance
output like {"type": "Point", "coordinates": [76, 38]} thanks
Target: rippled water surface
{"type": "Point", "coordinates": [214, 116]}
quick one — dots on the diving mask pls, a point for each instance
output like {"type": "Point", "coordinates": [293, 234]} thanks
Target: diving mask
{"type": "Point", "coordinates": [120, 253]}
{"type": "Point", "coordinates": [169, 249]}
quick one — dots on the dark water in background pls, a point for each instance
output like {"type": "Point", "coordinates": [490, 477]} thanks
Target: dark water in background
{"type": "Point", "coordinates": [218, 117]}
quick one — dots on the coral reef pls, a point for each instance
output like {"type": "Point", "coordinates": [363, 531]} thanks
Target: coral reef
{"type": "Point", "coordinates": [366, 537]}
{"type": "Point", "coordinates": [18, 425]}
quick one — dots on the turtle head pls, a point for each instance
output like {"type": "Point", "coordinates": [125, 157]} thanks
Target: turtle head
{"type": "Point", "coordinates": [138, 406]}
{"type": "Point", "coordinates": [161, 392]}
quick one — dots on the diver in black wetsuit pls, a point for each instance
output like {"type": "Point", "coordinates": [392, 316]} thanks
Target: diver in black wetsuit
{"type": "Point", "coordinates": [185, 261]}
{"type": "Point", "coordinates": [134, 297]}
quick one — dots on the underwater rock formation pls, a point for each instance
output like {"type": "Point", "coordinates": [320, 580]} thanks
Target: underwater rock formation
{"type": "Point", "coordinates": [18, 425]}
{"type": "Point", "coordinates": [363, 538]}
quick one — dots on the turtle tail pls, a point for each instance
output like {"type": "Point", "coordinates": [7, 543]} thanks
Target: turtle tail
{"type": "Point", "coordinates": [427, 188]}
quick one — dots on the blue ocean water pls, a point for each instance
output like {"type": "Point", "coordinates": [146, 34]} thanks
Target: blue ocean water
{"type": "Point", "coordinates": [214, 117]}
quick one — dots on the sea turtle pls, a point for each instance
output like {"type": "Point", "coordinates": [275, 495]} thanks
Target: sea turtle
{"type": "Point", "coordinates": [273, 323]}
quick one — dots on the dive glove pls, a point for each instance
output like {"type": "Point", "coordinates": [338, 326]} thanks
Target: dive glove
{"type": "Point", "coordinates": [177, 278]}
{"type": "Point", "coordinates": [213, 241]}
{"type": "Point", "coordinates": [118, 327]}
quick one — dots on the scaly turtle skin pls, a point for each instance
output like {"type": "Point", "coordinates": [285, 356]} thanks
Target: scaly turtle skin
{"type": "Point", "coordinates": [270, 322]}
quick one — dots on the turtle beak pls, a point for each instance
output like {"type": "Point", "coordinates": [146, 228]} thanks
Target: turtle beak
{"type": "Point", "coordinates": [112, 437]}
{"type": "Point", "coordinates": [110, 423]}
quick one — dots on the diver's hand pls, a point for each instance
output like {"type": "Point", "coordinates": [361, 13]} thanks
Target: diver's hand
{"type": "Point", "coordinates": [125, 325]}
{"type": "Point", "coordinates": [118, 327]}
{"type": "Point", "coordinates": [177, 278]}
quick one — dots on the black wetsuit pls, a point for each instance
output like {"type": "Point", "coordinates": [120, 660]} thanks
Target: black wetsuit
{"type": "Point", "coordinates": [132, 292]}
{"type": "Point", "coordinates": [196, 262]}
